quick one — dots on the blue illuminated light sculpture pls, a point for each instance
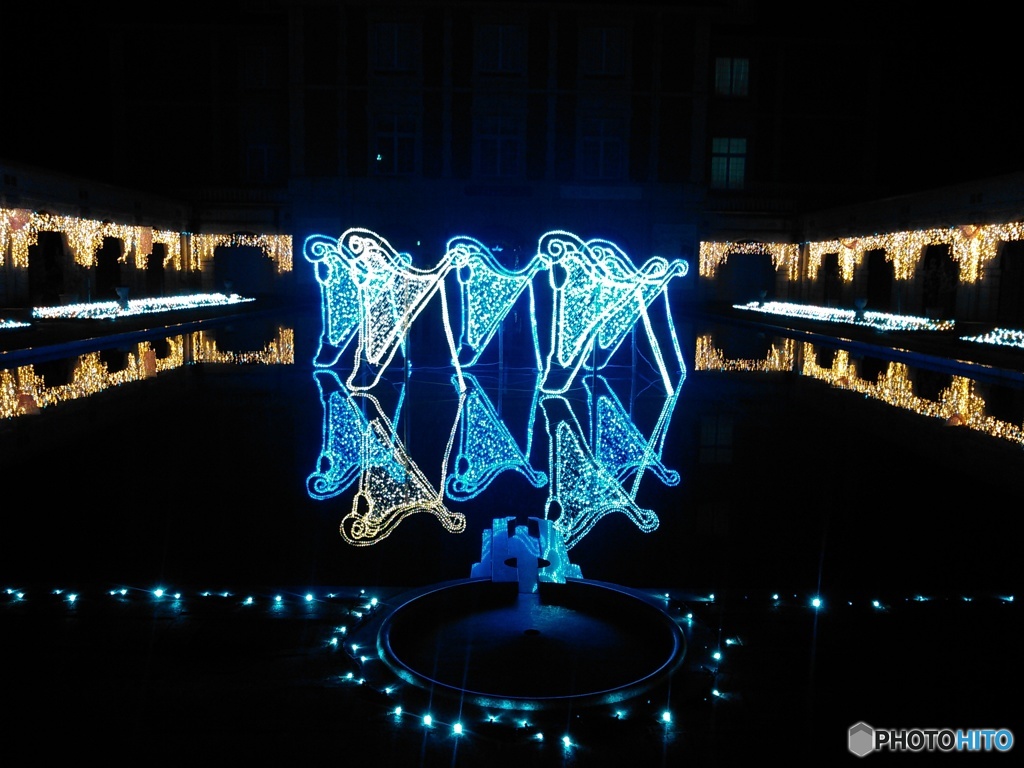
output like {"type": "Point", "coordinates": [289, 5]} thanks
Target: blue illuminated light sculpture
{"type": "Point", "coordinates": [488, 292]}
{"type": "Point", "coordinates": [620, 445]}
{"type": "Point", "coordinates": [342, 457]}
{"type": "Point", "coordinates": [582, 489]}
{"type": "Point", "coordinates": [598, 296]}
{"type": "Point", "coordinates": [371, 295]}
{"type": "Point", "coordinates": [486, 448]}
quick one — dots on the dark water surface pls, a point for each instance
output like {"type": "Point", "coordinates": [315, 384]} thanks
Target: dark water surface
{"type": "Point", "coordinates": [788, 487]}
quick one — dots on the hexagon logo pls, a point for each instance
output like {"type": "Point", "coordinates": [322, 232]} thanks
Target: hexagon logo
{"type": "Point", "coordinates": [862, 739]}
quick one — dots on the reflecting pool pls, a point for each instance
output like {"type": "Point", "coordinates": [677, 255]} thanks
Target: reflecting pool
{"type": "Point", "coordinates": [755, 467]}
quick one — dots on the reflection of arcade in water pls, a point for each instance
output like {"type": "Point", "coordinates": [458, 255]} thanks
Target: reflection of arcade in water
{"type": "Point", "coordinates": [534, 627]}
{"type": "Point", "coordinates": [958, 400]}
{"type": "Point", "coordinates": [27, 389]}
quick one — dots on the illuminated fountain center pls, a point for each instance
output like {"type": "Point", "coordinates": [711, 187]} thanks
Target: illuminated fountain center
{"type": "Point", "coordinates": [525, 628]}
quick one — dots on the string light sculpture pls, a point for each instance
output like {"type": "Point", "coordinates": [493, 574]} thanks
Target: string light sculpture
{"type": "Point", "coordinates": [959, 404]}
{"type": "Point", "coordinates": [785, 256]}
{"type": "Point", "coordinates": [582, 489]}
{"type": "Point", "coordinates": [172, 242]}
{"type": "Point", "coordinates": [277, 248]}
{"type": "Point", "coordinates": [391, 486]}
{"type": "Point", "coordinates": [488, 291]}
{"type": "Point", "coordinates": [109, 310]}
{"type": "Point", "coordinates": [344, 425]}
{"type": "Point", "coordinates": [20, 228]}
{"type": "Point", "coordinates": [278, 351]}
{"type": "Point", "coordinates": [24, 392]}
{"type": "Point", "coordinates": [486, 448]}
{"type": "Point", "coordinates": [973, 246]}
{"type": "Point", "coordinates": [620, 446]}
{"type": "Point", "coordinates": [999, 337]}
{"type": "Point", "coordinates": [598, 296]}
{"type": "Point", "coordinates": [372, 292]}
{"type": "Point", "coordinates": [371, 295]}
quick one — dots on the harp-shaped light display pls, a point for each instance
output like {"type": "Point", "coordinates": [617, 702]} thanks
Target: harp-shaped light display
{"type": "Point", "coordinates": [486, 447]}
{"type": "Point", "coordinates": [587, 296]}
{"type": "Point", "coordinates": [488, 292]}
{"type": "Point", "coordinates": [391, 486]}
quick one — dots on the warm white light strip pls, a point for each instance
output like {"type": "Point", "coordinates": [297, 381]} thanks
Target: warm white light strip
{"type": "Point", "coordinates": [882, 321]}
{"type": "Point", "coordinates": [107, 310]}
{"type": "Point", "coordinates": [1000, 337]}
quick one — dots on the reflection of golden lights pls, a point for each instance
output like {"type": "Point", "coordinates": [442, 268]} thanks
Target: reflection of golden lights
{"type": "Point", "coordinates": [958, 404]}
{"type": "Point", "coordinates": [23, 391]}
{"type": "Point", "coordinates": [280, 351]}
{"type": "Point", "coordinates": [709, 358]}
{"type": "Point", "coordinates": [973, 247]}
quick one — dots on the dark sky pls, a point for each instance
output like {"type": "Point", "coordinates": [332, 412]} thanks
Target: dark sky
{"type": "Point", "coordinates": [949, 91]}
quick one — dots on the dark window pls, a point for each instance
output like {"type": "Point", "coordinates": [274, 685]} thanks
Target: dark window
{"type": "Point", "coordinates": [501, 146]}
{"type": "Point", "coordinates": [501, 49]}
{"type": "Point", "coordinates": [395, 137]}
{"type": "Point", "coordinates": [732, 77]}
{"type": "Point", "coordinates": [728, 163]}
{"type": "Point", "coordinates": [602, 148]}
{"type": "Point", "coordinates": [394, 46]}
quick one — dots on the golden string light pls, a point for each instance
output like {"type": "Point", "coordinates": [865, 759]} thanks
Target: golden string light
{"type": "Point", "coordinates": [277, 248]}
{"type": "Point", "coordinates": [784, 256]}
{"type": "Point", "coordinates": [279, 351]}
{"type": "Point", "coordinates": [972, 246]}
{"type": "Point", "coordinates": [20, 228]}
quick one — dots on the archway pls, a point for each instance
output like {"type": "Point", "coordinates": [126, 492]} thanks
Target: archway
{"type": "Point", "coordinates": [243, 269]}
{"type": "Point", "coordinates": [46, 269]}
{"type": "Point", "coordinates": [1010, 309]}
{"type": "Point", "coordinates": [881, 274]}
{"type": "Point", "coordinates": [940, 275]}
{"type": "Point", "coordinates": [108, 269]}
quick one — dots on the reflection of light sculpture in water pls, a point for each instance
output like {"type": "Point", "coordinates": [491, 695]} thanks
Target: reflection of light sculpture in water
{"type": "Point", "coordinates": [486, 448]}
{"type": "Point", "coordinates": [391, 485]}
{"type": "Point", "coordinates": [371, 296]}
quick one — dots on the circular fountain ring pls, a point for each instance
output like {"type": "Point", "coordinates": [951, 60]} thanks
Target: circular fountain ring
{"type": "Point", "coordinates": [582, 641]}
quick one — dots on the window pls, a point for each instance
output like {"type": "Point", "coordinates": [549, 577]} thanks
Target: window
{"type": "Point", "coordinates": [394, 46]}
{"type": "Point", "coordinates": [501, 49]}
{"type": "Point", "coordinates": [732, 77]}
{"type": "Point", "coordinates": [603, 148]}
{"type": "Point", "coordinates": [501, 146]}
{"type": "Point", "coordinates": [728, 163]}
{"type": "Point", "coordinates": [603, 51]}
{"type": "Point", "coordinates": [395, 145]}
